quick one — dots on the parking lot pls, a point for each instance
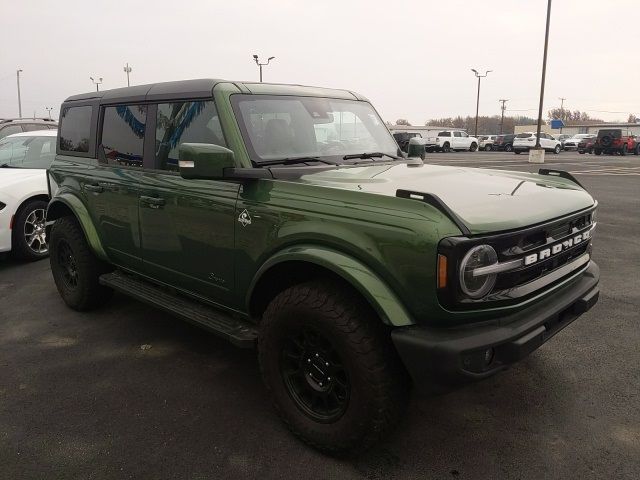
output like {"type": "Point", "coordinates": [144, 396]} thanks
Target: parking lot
{"type": "Point", "coordinates": [80, 398]}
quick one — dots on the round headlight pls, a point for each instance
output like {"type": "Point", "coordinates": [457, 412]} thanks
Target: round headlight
{"type": "Point", "coordinates": [477, 286]}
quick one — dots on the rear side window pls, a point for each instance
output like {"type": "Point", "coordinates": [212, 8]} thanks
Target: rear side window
{"type": "Point", "coordinates": [444, 134]}
{"type": "Point", "coordinates": [122, 137]}
{"type": "Point", "coordinates": [524, 135]}
{"type": "Point", "coordinates": [75, 128]}
{"type": "Point", "coordinates": [184, 122]}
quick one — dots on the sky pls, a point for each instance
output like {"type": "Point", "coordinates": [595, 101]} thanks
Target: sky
{"type": "Point", "coordinates": [411, 58]}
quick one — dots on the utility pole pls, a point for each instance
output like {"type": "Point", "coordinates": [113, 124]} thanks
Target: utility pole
{"type": "Point", "coordinates": [127, 70]}
{"type": "Point", "coordinates": [503, 108]}
{"type": "Point", "coordinates": [48, 109]}
{"type": "Point", "coordinates": [19, 100]}
{"type": "Point", "coordinates": [260, 65]}
{"type": "Point", "coordinates": [96, 82]}
{"type": "Point", "coordinates": [478, 76]}
{"type": "Point", "coordinates": [562, 99]}
{"type": "Point", "coordinates": [544, 73]}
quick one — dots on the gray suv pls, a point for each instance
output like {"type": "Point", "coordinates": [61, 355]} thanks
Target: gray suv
{"type": "Point", "coordinates": [9, 126]}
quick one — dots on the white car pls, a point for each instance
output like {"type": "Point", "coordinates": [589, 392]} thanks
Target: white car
{"type": "Point", "coordinates": [527, 140]}
{"type": "Point", "coordinates": [448, 140]}
{"type": "Point", "coordinates": [572, 143]}
{"type": "Point", "coordinates": [486, 142]}
{"type": "Point", "coordinates": [24, 158]}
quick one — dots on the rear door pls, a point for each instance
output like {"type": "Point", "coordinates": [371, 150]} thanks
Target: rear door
{"type": "Point", "coordinates": [114, 186]}
{"type": "Point", "coordinates": [187, 226]}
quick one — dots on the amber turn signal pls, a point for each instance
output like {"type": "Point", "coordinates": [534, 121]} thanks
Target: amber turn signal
{"type": "Point", "coordinates": [442, 271]}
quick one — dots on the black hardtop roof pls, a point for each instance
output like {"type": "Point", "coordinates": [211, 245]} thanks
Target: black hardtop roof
{"type": "Point", "coordinates": [199, 88]}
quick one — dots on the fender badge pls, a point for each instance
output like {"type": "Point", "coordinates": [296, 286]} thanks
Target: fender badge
{"type": "Point", "coordinates": [245, 218]}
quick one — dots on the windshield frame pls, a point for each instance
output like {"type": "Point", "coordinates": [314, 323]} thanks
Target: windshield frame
{"type": "Point", "coordinates": [337, 158]}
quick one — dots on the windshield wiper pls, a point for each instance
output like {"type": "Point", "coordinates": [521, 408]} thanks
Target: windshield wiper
{"type": "Point", "coordinates": [369, 155]}
{"type": "Point", "coordinates": [297, 160]}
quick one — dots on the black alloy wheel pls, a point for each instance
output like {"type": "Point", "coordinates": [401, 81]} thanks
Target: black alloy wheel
{"type": "Point", "coordinates": [314, 376]}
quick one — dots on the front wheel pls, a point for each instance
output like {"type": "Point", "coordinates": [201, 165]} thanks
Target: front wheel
{"type": "Point", "coordinates": [75, 268]}
{"type": "Point", "coordinates": [557, 149]}
{"type": "Point", "coordinates": [624, 150]}
{"type": "Point", "coordinates": [28, 237]}
{"type": "Point", "coordinates": [508, 148]}
{"type": "Point", "coordinates": [597, 152]}
{"type": "Point", "coordinates": [330, 369]}
{"type": "Point", "coordinates": [473, 147]}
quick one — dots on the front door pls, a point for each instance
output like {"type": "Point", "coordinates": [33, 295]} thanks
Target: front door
{"type": "Point", "coordinates": [187, 226]}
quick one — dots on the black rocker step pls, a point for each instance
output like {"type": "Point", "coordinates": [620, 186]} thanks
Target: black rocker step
{"type": "Point", "coordinates": [238, 332]}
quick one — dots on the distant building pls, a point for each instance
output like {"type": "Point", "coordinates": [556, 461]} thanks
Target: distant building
{"type": "Point", "coordinates": [633, 128]}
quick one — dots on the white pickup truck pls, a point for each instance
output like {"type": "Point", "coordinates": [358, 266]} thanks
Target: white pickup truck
{"type": "Point", "coordinates": [448, 140]}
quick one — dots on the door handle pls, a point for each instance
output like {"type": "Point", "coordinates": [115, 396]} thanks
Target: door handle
{"type": "Point", "coordinates": [93, 188]}
{"type": "Point", "coordinates": [153, 202]}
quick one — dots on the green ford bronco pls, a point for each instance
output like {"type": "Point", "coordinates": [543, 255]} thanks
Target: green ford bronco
{"type": "Point", "coordinates": [286, 218]}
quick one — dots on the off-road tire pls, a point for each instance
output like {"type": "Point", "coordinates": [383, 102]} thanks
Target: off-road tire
{"type": "Point", "coordinates": [67, 235]}
{"type": "Point", "coordinates": [378, 391]}
{"type": "Point", "coordinates": [473, 147]}
{"type": "Point", "coordinates": [19, 246]}
{"type": "Point", "coordinates": [508, 148]}
{"type": "Point", "coordinates": [446, 148]}
{"type": "Point", "coordinates": [623, 151]}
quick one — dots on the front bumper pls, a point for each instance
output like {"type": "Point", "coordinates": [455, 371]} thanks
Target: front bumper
{"type": "Point", "coordinates": [441, 356]}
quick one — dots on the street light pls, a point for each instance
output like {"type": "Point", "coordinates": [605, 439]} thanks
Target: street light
{"type": "Point", "coordinates": [96, 82]}
{"type": "Point", "coordinates": [544, 73]}
{"type": "Point", "coordinates": [260, 65]}
{"type": "Point", "coordinates": [19, 101]}
{"type": "Point", "coordinates": [127, 70]}
{"type": "Point", "coordinates": [48, 109]}
{"type": "Point", "coordinates": [478, 76]}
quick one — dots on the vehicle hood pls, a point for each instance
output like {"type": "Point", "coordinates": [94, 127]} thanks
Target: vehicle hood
{"type": "Point", "coordinates": [485, 200]}
{"type": "Point", "coordinates": [14, 181]}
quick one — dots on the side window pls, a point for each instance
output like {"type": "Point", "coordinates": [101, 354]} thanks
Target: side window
{"type": "Point", "coordinates": [457, 134]}
{"type": "Point", "coordinates": [122, 137]}
{"type": "Point", "coordinates": [463, 134]}
{"type": "Point", "coordinates": [10, 130]}
{"type": "Point", "coordinates": [75, 128]}
{"type": "Point", "coordinates": [184, 122]}
{"type": "Point", "coordinates": [444, 134]}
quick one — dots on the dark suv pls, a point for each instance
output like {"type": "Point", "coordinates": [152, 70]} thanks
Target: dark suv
{"type": "Point", "coordinates": [9, 126]}
{"type": "Point", "coordinates": [504, 143]}
{"type": "Point", "coordinates": [611, 140]}
{"type": "Point", "coordinates": [403, 139]}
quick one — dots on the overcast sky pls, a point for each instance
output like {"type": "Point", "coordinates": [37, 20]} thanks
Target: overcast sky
{"type": "Point", "coordinates": [412, 59]}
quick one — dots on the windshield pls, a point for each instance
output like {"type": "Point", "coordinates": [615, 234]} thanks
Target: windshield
{"type": "Point", "coordinates": [286, 127]}
{"type": "Point", "coordinates": [27, 152]}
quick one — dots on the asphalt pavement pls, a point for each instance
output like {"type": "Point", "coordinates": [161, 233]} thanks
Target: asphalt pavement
{"type": "Point", "coordinates": [81, 398]}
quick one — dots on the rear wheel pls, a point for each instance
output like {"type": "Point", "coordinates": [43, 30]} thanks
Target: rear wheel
{"type": "Point", "coordinates": [597, 152]}
{"type": "Point", "coordinates": [446, 148]}
{"type": "Point", "coordinates": [636, 151]}
{"type": "Point", "coordinates": [557, 149]}
{"type": "Point", "coordinates": [75, 268]}
{"type": "Point", "coordinates": [624, 149]}
{"type": "Point", "coordinates": [330, 368]}
{"type": "Point", "coordinates": [582, 152]}
{"type": "Point", "coordinates": [473, 147]}
{"type": "Point", "coordinates": [517, 152]}
{"type": "Point", "coordinates": [28, 237]}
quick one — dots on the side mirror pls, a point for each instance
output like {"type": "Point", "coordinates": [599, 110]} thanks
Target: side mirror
{"type": "Point", "coordinates": [204, 160]}
{"type": "Point", "coordinates": [416, 148]}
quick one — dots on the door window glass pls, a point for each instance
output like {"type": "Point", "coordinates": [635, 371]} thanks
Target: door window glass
{"type": "Point", "coordinates": [184, 122]}
{"type": "Point", "coordinates": [75, 129]}
{"type": "Point", "coordinates": [123, 134]}
{"type": "Point", "coordinates": [456, 134]}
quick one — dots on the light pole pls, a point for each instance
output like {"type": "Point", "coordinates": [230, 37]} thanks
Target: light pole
{"type": "Point", "coordinates": [127, 70]}
{"type": "Point", "coordinates": [503, 108]}
{"type": "Point", "coordinates": [96, 83]}
{"type": "Point", "coordinates": [48, 109]}
{"type": "Point", "coordinates": [544, 73]}
{"type": "Point", "coordinates": [260, 65]}
{"type": "Point", "coordinates": [478, 99]}
{"type": "Point", "coordinates": [19, 100]}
